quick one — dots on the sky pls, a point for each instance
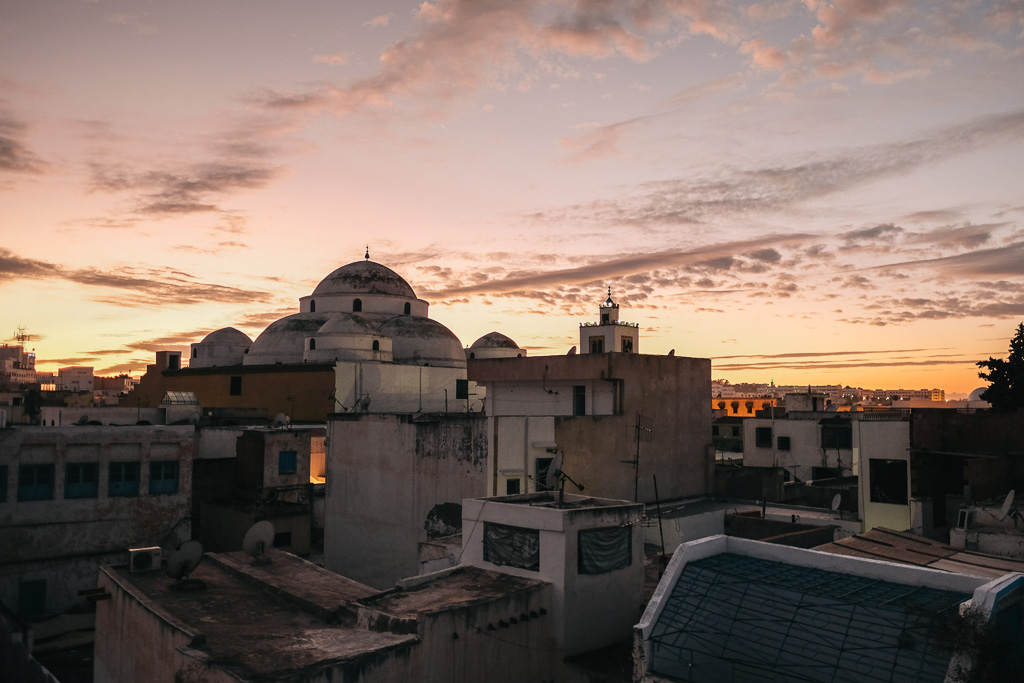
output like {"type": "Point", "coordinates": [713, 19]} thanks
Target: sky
{"type": "Point", "coordinates": [813, 191]}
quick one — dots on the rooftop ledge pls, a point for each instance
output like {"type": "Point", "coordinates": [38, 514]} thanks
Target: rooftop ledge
{"type": "Point", "coordinates": [620, 323]}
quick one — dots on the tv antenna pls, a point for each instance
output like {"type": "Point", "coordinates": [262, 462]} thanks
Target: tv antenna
{"type": "Point", "coordinates": [258, 539]}
{"type": "Point", "coordinates": [556, 476]}
{"type": "Point", "coordinates": [1009, 510]}
{"type": "Point", "coordinates": [181, 563]}
{"type": "Point", "coordinates": [643, 428]}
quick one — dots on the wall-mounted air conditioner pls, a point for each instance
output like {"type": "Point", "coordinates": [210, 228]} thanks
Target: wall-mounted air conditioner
{"type": "Point", "coordinates": [143, 559]}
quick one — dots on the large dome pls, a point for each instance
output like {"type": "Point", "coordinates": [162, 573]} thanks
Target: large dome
{"type": "Point", "coordinates": [422, 341]}
{"type": "Point", "coordinates": [364, 277]}
{"type": "Point", "coordinates": [226, 346]}
{"type": "Point", "coordinates": [284, 341]}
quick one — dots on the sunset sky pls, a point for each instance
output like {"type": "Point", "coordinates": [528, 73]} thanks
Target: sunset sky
{"type": "Point", "coordinates": [804, 191]}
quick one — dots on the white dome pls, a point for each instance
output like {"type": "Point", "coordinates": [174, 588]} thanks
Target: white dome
{"type": "Point", "coordinates": [347, 337]}
{"type": "Point", "coordinates": [284, 341]}
{"type": "Point", "coordinates": [422, 341]}
{"type": "Point", "coordinates": [494, 345]}
{"type": "Point", "coordinates": [226, 346]}
{"type": "Point", "coordinates": [976, 394]}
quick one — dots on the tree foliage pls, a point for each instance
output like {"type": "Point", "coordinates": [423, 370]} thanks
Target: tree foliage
{"type": "Point", "coordinates": [1006, 377]}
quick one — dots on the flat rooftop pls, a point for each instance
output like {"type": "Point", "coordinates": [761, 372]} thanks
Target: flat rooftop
{"type": "Point", "coordinates": [550, 499]}
{"type": "Point", "coordinates": [291, 617]}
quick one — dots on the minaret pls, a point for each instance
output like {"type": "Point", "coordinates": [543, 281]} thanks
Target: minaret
{"type": "Point", "coordinates": [609, 335]}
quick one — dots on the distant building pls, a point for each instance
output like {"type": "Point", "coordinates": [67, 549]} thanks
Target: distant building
{"type": "Point", "coordinates": [609, 334]}
{"type": "Point", "coordinates": [17, 366]}
{"type": "Point", "coordinates": [75, 378]}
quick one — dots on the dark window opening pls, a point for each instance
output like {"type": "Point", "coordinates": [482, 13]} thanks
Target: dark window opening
{"type": "Point", "coordinates": [123, 480]}
{"type": "Point", "coordinates": [597, 344]}
{"type": "Point", "coordinates": [408, 308]}
{"type": "Point", "coordinates": [604, 550]}
{"type": "Point", "coordinates": [82, 480]}
{"type": "Point", "coordinates": [763, 437]}
{"type": "Point", "coordinates": [714, 430]}
{"type": "Point", "coordinates": [174, 361]}
{"type": "Point", "coordinates": [163, 477]}
{"type": "Point", "coordinates": [750, 407]}
{"type": "Point", "coordinates": [783, 443]}
{"type": "Point", "coordinates": [511, 546]}
{"type": "Point", "coordinates": [735, 406]}
{"type": "Point", "coordinates": [3, 483]}
{"type": "Point", "coordinates": [472, 355]}
{"type": "Point", "coordinates": [512, 486]}
{"type": "Point", "coordinates": [35, 482]}
{"type": "Point", "coordinates": [312, 344]}
{"type": "Point", "coordinates": [312, 306]}
{"type": "Point", "coordinates": [357, 305]}
{"type": "Point", "coordinates": [32, 598]}
{"type": "Point", "coordinates": [283, 539]}
{"type": "Point", "coordinates": [236, 386]}
{"type": "Point", "coordinates": [627, 345]}
{"type": "Point", "coordinates": [376, 345]}
{"type": "Point", "coordinates": [604, 318]}
{"type": "Point", "coordinates": [287, 462]}
{"type": "Point", "coordinates": [837, 437]}
{"type": "Point", "coordinates": [579, 400]}
{"type": "Point", "coordinates": [195, 352]}
{"type": "Point", "coordinates": [888, 481]}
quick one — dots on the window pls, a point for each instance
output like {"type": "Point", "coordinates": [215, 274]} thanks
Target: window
{"type": "Point", "coordinates": [750, 407]}
{"type": "Point", "coordinates": [174, 361]}
{"type": "Point", "coordinates": [840, 436]}
{"type": "Point", "coordinates": [511, 546]}
{"type": "Point", "coordinates": [888, 481]}
{"type": "Point", "coordinates": [3, 483]}
{"type": "Point", "coordinates": [714, 430]}
{"type": "Point", "coordinates": [408, 308]}
{"type": "Point", "coordinates": [824, 472]}
{"type": "Point", "coordinates": [82, 480]}
{"type": "Point", "coordinates": [376, 345]}
{"type": "Point", "coordinates": [312, 344]}
{"type": "Point", "coordinates": [35, 482]}
{"type": "Point", "coordinates": [287, 462]}
{"type": "Point", "coordinates": [123, 480]}
{"type": "Point", "coordinates": [604, 550]}
{"type": "Point", "coordinates": [283, 539]}
{"type": "Point", "coordinates": [763, 437]}
{"type": "Point", "coordinates": [163, 477]}
{"type": "Point", "coordinates": [357, 305]}
{"type": "Point", "coordinates": [783, 443]}
{"type": "Point", "coordinates": [195, 352]}
{"type": "Point", "coordinates": [236, 386]}
{"type": "Point", "coordinates": [579, 400]}
{"type": "Point", "coordinates": [627, 345]}
{"type": "Point", "coordinates": [312, 306]}
{"type": "Point", "coordinates": [541, 466]}
{"type": "Point", "coordinates": [32, 598]}
{"type": "Point", "coordinates": [512, 486]}
{"type": "Point", "coordinates": [597, 344]}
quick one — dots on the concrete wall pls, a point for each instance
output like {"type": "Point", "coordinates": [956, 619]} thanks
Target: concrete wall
{"type": "Point", "coordinates": [589, 610]}
{"type": "Point", "coordinates": [389, 388]}
{"type": "Point", "coordinates": [385, 473]}
{"type": "Point", "coordinates": [805, 450]}
{"type": "Point", "coordinates": [63, 540]}
{"type": "Point", "coordinates": [882, 441]}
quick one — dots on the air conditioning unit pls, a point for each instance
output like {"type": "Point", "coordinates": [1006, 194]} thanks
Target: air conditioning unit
{"type": "Point", "coordinates": [143, 559]}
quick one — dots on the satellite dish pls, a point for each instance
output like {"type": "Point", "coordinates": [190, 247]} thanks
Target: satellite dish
{"type": "Point", "coordinates": [84, 420]}
{"type": "Point", "coordinates": [182, 562]}
{"type": "Point", "coordinates": [836, 502]}
{"type": "Point", "coordinates": [280, 420]}
{"type": "Point", "coordinates": [258, 539]}
{"type": "Point", "coordinates": [572, 351]}
{"type": "Point", "coordinates": [1007, 504]}
{"type": "Point", "coordinates": [554, 471]}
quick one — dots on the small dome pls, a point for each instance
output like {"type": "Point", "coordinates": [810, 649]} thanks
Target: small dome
{"type": "Point", "coordinates": [494, 340]}
{"type": "Point", "coordinates": [283, 341]}
{"type": "Point", "coordinates": [347, 323]}
{"type": "Point", "coordinates": [976, 394]}
{"type": "Point", "coordinates": [227, 335]}
{"type": "Point", "coordinates": [364, 277]}
{"type": "Point", "coordinates": [423, 341]}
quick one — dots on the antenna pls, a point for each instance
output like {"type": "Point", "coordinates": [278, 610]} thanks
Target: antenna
{"type": "Point", "coordinates": [258, 539]}
{"type": "Point", "coordinates": [182, 562]}
{"type": "Point", "coordinates": [556, 476]}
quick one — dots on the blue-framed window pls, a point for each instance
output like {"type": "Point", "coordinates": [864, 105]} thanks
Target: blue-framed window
{"type": "Point", "coordinates": [287, 462]}
{"type": "Point", "coordinates": [35, 482]}
{"type": "Point", "coordinates": [163, 477]}
{"type": "Point", "coordinates": [123, 480]}
{"type": "Point", "coordinates": [82, 480]}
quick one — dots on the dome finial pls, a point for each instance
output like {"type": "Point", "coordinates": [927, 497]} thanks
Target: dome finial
{"type": "Point", "coordinates": [367, 255]}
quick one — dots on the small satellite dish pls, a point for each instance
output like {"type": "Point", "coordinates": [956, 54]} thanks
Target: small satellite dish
{"type": "Point", "coordinates": [836, 502]}
{"type": "Point", "coordinates": [554, 471]}
{"type": "Point", "coordinates": [258, 539]}
{"type": "Point", "coordinates": [280, 420]}
{"type": "Point", "coordinates": [672, 352]}
{"type": "Point", "coordinates": [1007, 504]}
{"type": "Point", "coordinates": [182, 562]}
{"type": "Point", "coordinates": [84, 420]}
{"type": "Point", "coordinates": [572, 351]}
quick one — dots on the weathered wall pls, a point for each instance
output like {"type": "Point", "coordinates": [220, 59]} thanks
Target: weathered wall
{"type": "Point", "coordinates": [63, 540]}
{"type": "Point", "coordinates": [392, 388]}
{"type": "Point", "coordinates": [804, 452]}
{"type": "Point", "coordinates": [881, 441]}
{"type": "Point", "coordinates": [384, 475]}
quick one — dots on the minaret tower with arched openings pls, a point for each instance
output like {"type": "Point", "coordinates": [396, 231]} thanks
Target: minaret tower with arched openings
{"type": "Point", "coordinates": [609, 335]}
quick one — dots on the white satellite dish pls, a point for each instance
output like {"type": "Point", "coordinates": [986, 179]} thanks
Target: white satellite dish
{"type": "Point", "coordinates": [182, 562]}
{"type": "Point", "coordinates": [554, 471]}
{"type": "Point", "coordinates": [837, 500]}
{"type": "Point", "coordinates": [258, 539]}
{"type": "Point", "coordinates": [280, 420]}
{"type": "Point", "coordinates": [1004, 510]}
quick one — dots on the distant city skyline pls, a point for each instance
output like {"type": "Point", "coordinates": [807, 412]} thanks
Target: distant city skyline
{"type": "Point", "coordinates": [804, 191]}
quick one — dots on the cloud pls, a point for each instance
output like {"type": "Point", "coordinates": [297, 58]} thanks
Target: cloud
{"type": "Point", "coordinates": [332, 60]}
{"type": "Point", "coordinates": [999, 261]}
{"type": "Point", "coordinates": [380, 21]}
{"type": "Point", "coordinates": [15, 156]}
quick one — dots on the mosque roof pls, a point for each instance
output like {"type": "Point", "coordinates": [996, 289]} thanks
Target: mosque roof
{"type": "Point", "coordinates": [364, 277]}
{"type": "Point", "coordinates": [494, 340]}
{"type": "Point", "coordinates": [227, 335]}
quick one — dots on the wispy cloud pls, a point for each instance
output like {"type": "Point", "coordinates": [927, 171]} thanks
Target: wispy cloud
{"type": "Point", "coordinates": [15, 154]}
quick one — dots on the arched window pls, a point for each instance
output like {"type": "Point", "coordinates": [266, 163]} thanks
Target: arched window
{"type": "Point", "coordinates": [472, 355]}
{"type": "Point", "coordinates": [195, 352]}
{"type": "Point", "coordinates": [357, 305]}
{"type": "Point", "coordinates": [312, 306]}
{"type": "Point", "coordinates": [408, 308]}
{"type": "Point", "coordinates": [312, 344]}
{"type": "Point", "coordinates": [376, 345]}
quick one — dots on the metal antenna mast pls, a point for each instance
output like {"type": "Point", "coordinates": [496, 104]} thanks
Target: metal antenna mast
{"type": "Point", "coordinates": [644, 427]}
